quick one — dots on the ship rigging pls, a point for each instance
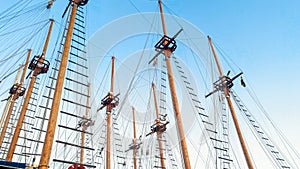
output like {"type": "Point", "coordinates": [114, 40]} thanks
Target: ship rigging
{"type": "Point", "coordinates": [65, 109]}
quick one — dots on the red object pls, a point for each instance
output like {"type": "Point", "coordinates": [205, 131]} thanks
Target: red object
{"type": "Point", "coordinates": [76, 166]}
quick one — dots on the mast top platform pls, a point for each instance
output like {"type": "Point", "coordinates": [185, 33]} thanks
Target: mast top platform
{"type": "Point", "coordinates": [165, 43]}
{"type": "Point", "coordinates": [223, 82]}
{"type": "Point", "coordinates": [39, 65]}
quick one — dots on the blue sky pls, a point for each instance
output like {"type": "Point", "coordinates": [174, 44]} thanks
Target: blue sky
{"type": "Point", "coordinates": [261, 36]}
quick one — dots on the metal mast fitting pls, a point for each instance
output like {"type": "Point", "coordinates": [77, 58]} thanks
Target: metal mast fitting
{"type": "Point", "coordinates": [77, 2]}
{"type": "Point", "coordinates": [225, 84]}
{"type": "Point", "coordinates": [166, 43]}
{"type": "Point", "coordinates": [17, 90]}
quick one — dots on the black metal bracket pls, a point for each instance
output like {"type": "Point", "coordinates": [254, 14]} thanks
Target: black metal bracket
{"type": "Point", "coordinates": [85, 123]}
{"type": "Point", "coordinates": [17, 89]}
{"type": "Point", "coordinates": [39, 64]}
{"type": "Point", "coordinates": [133, 146]}
{"type": "Point", "coordinates": [80, 2]}
{"type": "Point", "coordinates": [162, 127]}
{"type": "Point", "coordinates": [166, 43]}
{"type": "Point", "coordinates": [109, 100]}
{"type": "Point", "coordinates": [223, 82]}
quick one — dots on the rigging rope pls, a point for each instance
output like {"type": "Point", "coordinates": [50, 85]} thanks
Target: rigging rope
{"type": "Point", "coordinates": [224, 55]}
{"type": "Point", "coordinates": [22, 28]}
{"type": "Point", "coordinates": [5, 75]}
{"type": "Point", "coordinates": [283, 138]}
{"type": "Point", "coordinates": [135, 73]}
{"type": "Point", "coordinates": [34, 34]}
{"type": "Point", "coordinates": [150, 23]}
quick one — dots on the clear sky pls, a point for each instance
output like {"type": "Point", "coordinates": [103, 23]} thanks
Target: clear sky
{"type": "Point", "coordinates": [261, 36]}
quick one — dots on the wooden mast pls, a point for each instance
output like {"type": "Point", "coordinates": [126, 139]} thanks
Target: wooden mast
{"type": "Point", "coordinates": [234, 117]}
{"type": "Point", "coordinates": [84, 127]}
{"type": "Point", "coordinates": [134, 141]}
{"type": "Point", "coordinates": [47, 148]}
{"type": "Point", "coordinates": [158, 133]}
{"type": "Point", "coordinates": [108, 113]}
{"type": "Point", "coordinates": [12, 146]}
{"type": "Point", "coordinates": [15, 137]}
{"type": "Point", "coordinates": [167, 53]}
{"type": "Point", "coordinates": [25, 68]}
{"type": "Point", "coordinates": [4, 114]}
{"type": "Point", "coordinates": [11, 100]}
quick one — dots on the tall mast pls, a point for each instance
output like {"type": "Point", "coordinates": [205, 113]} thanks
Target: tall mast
{"type": "Point", "coordinates": [4, 114]}
{"type": "Point", "coordinates": [47, 148]}
{"type": "Point", "coordinates": [134, 141]}
{"type": "Point", "coordinates": [36, 71]}
{"type": "Point", "coordinates": [84, 126]}
{"type": "Point", "coordinates": [109, 101]}
{"type": "Point", "coordinates": [13, 143]}
{"type": "Point", "coordinates": [108, 113]}
{"type": "Point", "coordinates": [234, 117]}
{"type": "Point", "coordinates": [158, 124]}
{"type": "Point", "coordinates": [47, 39]}
{"type": "Point", "coordinates": [167, 53]}
{"type": "Point", "coordinates": [11, 101]}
